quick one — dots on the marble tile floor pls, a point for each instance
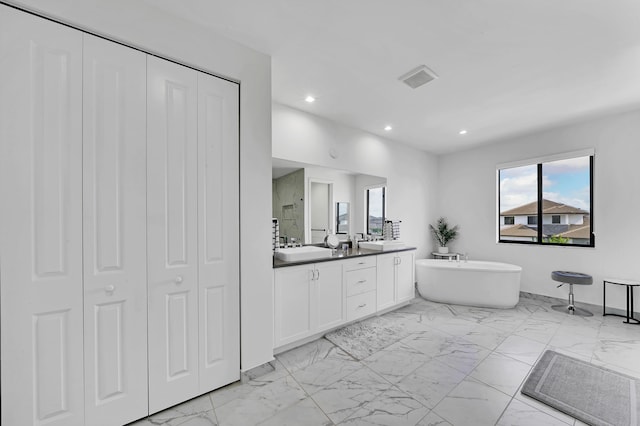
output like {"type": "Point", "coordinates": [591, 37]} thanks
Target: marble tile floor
{"type": "Point", "coordinates": [423, 364]}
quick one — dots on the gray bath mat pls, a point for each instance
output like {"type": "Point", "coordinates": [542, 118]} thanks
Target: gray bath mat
{"type": "Point", "coordinates": [595, 395]}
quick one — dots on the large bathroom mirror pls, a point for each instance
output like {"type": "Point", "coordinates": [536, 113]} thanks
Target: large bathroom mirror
{"type": "Point", "coordinates": [308, 201]}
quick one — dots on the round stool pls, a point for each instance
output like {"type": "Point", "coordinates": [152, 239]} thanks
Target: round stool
{"type": "Point", "coordinates": [571, 278]}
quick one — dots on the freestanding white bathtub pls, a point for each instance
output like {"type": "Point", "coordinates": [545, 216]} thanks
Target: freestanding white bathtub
{"type": "Point", "coordinates": [472, 283]}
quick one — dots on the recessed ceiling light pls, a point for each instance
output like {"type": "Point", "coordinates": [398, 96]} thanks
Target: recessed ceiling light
{"type": "Point", "coordinates": [462, 132]}
{"type": "Point", "coordinates": [387, 128]}
{"type": "Point", "coordinates": [310, 99]}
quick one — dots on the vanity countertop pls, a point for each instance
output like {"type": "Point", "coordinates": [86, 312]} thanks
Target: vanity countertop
{"type": "Point", "coordinates": [339, 255]}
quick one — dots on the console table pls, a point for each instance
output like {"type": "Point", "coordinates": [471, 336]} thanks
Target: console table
{"type": "Point", "coordinates": [629, 284]}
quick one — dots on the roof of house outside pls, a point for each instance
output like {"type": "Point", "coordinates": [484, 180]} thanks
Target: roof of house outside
{"type": "Point", "coordinates": [554, 229]}
{"type": "Point", "coordinates": [567, 231]}
{"type": "Point", "coordinates": [578, 232]}
{"type": "Point", "coordinates": [548, 207]}
{"type": "Point", "coordinates": [518, 231]}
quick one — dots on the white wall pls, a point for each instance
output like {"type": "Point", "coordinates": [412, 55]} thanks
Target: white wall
{"type": "Point", "coordinates": [467, 197]}
{"type": "Point", "coordinates": [411, 174]}
{"type": "Point", "coordinates": [140, 25]}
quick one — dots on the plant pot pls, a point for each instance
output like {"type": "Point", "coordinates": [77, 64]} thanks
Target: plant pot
{"type": "Point", "coordinates": [443, 250]}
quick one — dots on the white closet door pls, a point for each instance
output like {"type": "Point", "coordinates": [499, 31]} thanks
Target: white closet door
{"type": "Point", "coordinates": [115, 256]}
{"type": "Point", "coordinates": [40, 221]}
{"type": "Point", "coordinates": [218, 232]}
{"type": "Point", "coordinates": [172, 181]}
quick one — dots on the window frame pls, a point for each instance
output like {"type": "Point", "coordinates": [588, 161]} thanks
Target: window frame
{"type": "Point", "coordinates": [553, 219]}
{"type": "Point", "coordinates": [512, 220]}
{"type": "Point", "coordinates": [367, 204]}
{"type": "Point", "coordinates": [539, 162]}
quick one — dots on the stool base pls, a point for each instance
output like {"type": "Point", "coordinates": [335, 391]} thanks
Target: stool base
{"type": "Point", "coordinates": [572, 310]}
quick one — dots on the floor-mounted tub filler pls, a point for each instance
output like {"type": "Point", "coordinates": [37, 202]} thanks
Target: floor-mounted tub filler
{"type": "Point", "coordinates": [472, 283]}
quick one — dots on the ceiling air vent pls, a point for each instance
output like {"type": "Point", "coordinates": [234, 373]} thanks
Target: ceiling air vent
{"type": "Point", "coordinates": [418, 76]}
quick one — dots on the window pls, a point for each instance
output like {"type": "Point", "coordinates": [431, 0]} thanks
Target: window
{"type": "Point", "coordinates": [342, 218]}
{"type": "Point", "coordinates": [553, 197]}
{"type": "Point", "coordinates": [375, 202]}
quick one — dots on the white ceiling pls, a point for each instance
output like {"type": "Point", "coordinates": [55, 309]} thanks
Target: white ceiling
{"type": "Point", "coordinates": [505, 67]}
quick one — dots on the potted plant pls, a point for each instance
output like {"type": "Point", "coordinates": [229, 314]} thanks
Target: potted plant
{"type": "Point", "coordinates": [444, 234]}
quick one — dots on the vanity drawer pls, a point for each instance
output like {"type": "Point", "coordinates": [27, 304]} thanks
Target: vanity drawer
{"type": "Point", "coordinates": [361, 305]}
{"type": "Point", "coordinates": [360, 281]}
{"type": "Point", "coordinates": [359, 263]}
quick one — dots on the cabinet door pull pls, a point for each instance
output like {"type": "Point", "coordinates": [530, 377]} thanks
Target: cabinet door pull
{"type": "Point", "coordinates": [318, 271]}
{"type": "Point", "coordinates": [362, 306]}
{"type": "Point", "coordinates": [110, 289]}
{"type": "Point", "coordinates": [362, 281]}
{"type": "Point", "coordinates": [179, 279]}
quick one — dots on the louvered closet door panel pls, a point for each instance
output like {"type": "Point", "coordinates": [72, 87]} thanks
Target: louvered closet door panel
{"type": "Point", "coordinates": [218, 232]}
{"type": "Point", "coordinates": [172, 181]}
{"type": "Point", "coordinates": [115, 257]}
{"type": "Point", "coordinates": [40, 221]}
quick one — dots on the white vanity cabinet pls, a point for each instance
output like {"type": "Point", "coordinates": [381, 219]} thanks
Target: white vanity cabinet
{"type": "Point", "coordinates": [329, 291]}
{"type": "Point", "coordinates": [405, 282]}
{"type": "Point", "coordinates": [313, 298]}
{"type": "Point", "coordinates": [395, 278]}
{"type": "Point", "coordinates": [308, 299]}
{"type": "Point", "coordinates": [360, 280]}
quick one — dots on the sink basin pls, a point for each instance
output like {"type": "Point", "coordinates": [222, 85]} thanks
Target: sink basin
{"type": "Point", "coordinates": [384, 245]}
{"type": "Point", "coordinates": [297, 254]}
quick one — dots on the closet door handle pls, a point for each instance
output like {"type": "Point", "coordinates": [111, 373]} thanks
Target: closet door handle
{"type": "Point", "coordinates": [110, 289]}
{"type": "Point", "coordinates": [179, 279]}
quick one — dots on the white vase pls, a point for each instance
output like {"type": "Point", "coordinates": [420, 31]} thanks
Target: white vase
{"type": "Point", "coordinates": [443, 250]}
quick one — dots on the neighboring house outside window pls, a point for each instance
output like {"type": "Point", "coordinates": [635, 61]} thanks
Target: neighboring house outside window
{"type": "Point", "coordinates": [573, 224]}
